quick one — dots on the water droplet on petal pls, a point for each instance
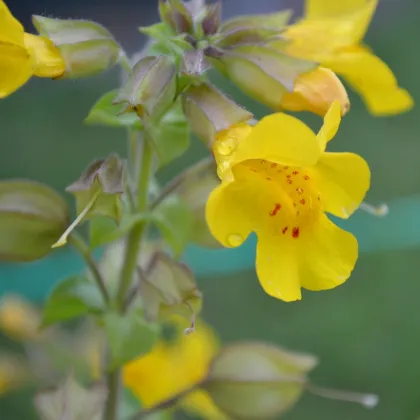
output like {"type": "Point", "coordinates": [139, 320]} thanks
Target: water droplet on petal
{"type": "Point", "coordinates": [224, 171]}
{"type": "Point", "coordinates": [234, 239]}
{"type": "Point", "coordinates": [227, 146]}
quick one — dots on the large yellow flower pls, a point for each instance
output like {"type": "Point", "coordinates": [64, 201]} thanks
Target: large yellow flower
{"type": "Point", "coordinates": [331, 33]}
{"type": "Point", "coordinates": [23, 55]}
{"type": "Point", "coordinates": [173, 367]}
{"type": "Point", "coordinates": [278, 180]}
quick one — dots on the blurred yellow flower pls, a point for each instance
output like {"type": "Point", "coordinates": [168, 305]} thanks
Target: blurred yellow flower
{"type": "Point", "coordinates": [23, 55]}
{"type": "Point", "coordinates": [18, 319]}
{"type": "Point", "coordinates": [331, 33]}
{"type": "Point", "coordinates": [173, 367]}
{"type": "Point", "coordinates": [12, 376]}
{"type": "Point", "coordinates": [278, 181]}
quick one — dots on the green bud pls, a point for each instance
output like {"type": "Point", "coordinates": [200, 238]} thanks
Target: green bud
{"type": "Point", "coordinates": [194, 186]}
{"type": "Point", "coordinates": [32, 217]}
{"type": "Point", "coordinates": [150, 88]}
{"type": "Point", "coordinates": [261, 72]}
{"type": "Point", "coordinates": [86, 47]}
{"type": "Point", "coordinates": [209, 111]}
{"type": "Point", "coordinates": [167, 287]}
{"type": "Point", "coordinates": [211, 20]}
{"type": "Point", "coordinates": [257, 381]}
{"type": "Point", "coordinates": [98, 192]}
{"type": "Point", "coordinates": [176, 15]}
{"type": "Point", "coordinates": [245, 36]}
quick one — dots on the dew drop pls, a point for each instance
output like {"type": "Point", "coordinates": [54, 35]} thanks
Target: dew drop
{"type": "Point", "coordinates": [226, 147]}
{"type": "Point", "coordinates": [224, 171]}
{"type": "Point", "coordinates": [234, 239]}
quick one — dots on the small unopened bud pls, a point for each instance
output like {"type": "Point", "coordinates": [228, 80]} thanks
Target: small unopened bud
{"type": "Point", "coordinates": [176, 15]}
{"type": "Point", "coordinates": [98, 192]}
{"type": "Point", "coordinates": [86, 47]}
{"type": "Point", "coordinates": [168, 287]}
{"type": "Point", "coordinates": [211, 21]}
{"type": "Point", "coordinates": [210, 112]}
{"type": "Point", "coordinates": [150, 88]}
{"type": "Point", "coordinates": [256, 380]}
{"type": "Point", "coordinates": [263, 73]}
{"type": "Point", "coordinates": [315, 91]}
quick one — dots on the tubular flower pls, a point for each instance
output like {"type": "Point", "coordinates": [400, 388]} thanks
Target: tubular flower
{"type": "Point", "coordinates": [278, 181]}
{"type": "Point", "coordinates": [173, 367]}
{"type": "Point", "coordinates": [23, 55]}
{"type": "Point", "coordinates": [331, 33]}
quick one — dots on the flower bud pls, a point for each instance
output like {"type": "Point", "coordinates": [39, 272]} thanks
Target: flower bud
{"type": "Point", "coordinates": [209, 111]}
{"type": "Point", "coordinates": [98, 192]}
{"type": "Point", "coordinates": [86, 47]}
{"type": "Point", "coordinates": [263, 73]}
{"type": "Point", "coordinates": [32, 217]}
{"type": "Point", "coordinates": [168, 287]}
{"type": "Point", "coordinates": [256, 380]}
{"type": "Point", "coordinates": [150, 88]}
{"type": "Point", "coordinates": [212, 17]}
{"type": "Point", "coordinates": [315, 91]}
{"type": "Point", "coordinates": [176, 15]}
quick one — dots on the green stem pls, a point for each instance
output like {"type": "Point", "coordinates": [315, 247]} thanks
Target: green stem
{"type": "Point", "coordinates": [114, 386]}
{"type": "Point", "coordinates": [134, 238]}
{"type": "Point", "coordinates": [78, 242]}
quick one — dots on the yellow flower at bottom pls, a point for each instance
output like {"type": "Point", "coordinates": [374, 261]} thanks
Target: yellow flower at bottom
{"type": "Point", "coordinates": [173, 367]}
{"type": "Point", "coordinates": [330, 34]}
{"type": "Point", "coordinates": [23, 55]}
{"type": "Point", "coordinates": [278, 182]}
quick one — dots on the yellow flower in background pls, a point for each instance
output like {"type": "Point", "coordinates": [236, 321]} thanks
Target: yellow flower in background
{"type": "Point", "coordinates": [12, 375]}
{"type": "Point", "coordinates": [331, 33]}
{"type": "Point", "coordinates": [23, 55]}
{"type": "Point", "coordinates": [18, 319]}
{"type": "Point", "coordinates": [175, 366]}
{"type": "Point", "coordinates": [278, 181]}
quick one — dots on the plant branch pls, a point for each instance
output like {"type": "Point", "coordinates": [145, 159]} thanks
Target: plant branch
{"type": "Point", "coordinates": [78, 242]}
{"type": "Point", "coordinates": [114, 385]}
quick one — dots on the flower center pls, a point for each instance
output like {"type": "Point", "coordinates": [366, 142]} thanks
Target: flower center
{"type": "Point", "coordinates": [293, 201]}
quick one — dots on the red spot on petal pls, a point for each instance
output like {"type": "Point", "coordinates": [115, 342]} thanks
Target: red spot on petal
{"type": "Point", "coordinates": [295, 232]}
{"type": "Point", "coordinates": [289, 181]}
{"type": "Point", "coordinates": [306, 177]}
{"type": "Point", "coordinates": [273, 165]}
{"type": "Point", "coordinates": [302, 201]}
{"type": "Point", "coordinates": [288, 176]}
{"type": "Point", "coordinates": [285, 229]}
{"type": "Point", "coordinates": [277, 207]}
{"type": "Point", "coordinates": [268, 179]}
{"type": "Point", "coordinates": [295, 172]}
{"type": "Point", "coordinates": [299, 190]}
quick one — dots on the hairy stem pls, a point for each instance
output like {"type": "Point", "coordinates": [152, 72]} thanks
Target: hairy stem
{"type": "Point", "coordinates": [78, 242]}
{"type": "Point", "coordinates": [114, 385]}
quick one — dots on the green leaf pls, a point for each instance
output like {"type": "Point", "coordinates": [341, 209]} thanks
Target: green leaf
{"type": "Point", "coordinates": [171, 135]}
{"type": "Point", "coordinates": [32, 218]}
{"type": "Point", "coordinates": [72, 402]}
{"type": "Point", "coordinates": [129, 336]}
{"type": "Point", "coordinates": [105, 113]}
{"type": "Point", "coordinates": [174, 220]}
{"type": "Point", "coordinates": [104, 230]}
{"type": "Point", "coordinates": [72, 298]}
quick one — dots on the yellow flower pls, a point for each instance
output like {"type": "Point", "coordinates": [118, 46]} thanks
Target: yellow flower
{"type": "Point", "coordinates": [23, 55]}
{"type": "Point", "coordinates": [173, 367]}
{"type": "Point", "coordinates": [278, 182]}
{"type": "Point", "coordinates": [18, 319]}
{"type": "Point", "coordinates": [331, 33]}
{"type": "Point", "coordinates": [12, 374]}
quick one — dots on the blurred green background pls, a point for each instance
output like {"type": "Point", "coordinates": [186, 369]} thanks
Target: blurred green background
{"type": "Point", "coordinates": [366, 332]}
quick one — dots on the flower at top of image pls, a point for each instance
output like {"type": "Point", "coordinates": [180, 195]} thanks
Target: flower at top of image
{"type": "Point", "coordinates": [175, 365]}
{"type": "Point", "coordinates": [331, 33]}
{"type": "Point", "coordinates": [278, 181]}
{"type": "Point", "coordinates": [23, 55]}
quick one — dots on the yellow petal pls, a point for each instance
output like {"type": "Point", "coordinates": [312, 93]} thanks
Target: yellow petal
{"type": "Point", "coordinates": [315, 91]}
{"type": "Point", "coordinates": [11, 31]}
{"type": "Point", "coordinates": [373, 80]}
{"type": "Point", "coordinates": [343, 180]}
{"type": "Point", "coordinates": [331, 125]}
{"type": "Point", "coordinates": [354, 16]}
{"type": "Point", "coordinates": [279, 138]}
{"type": "Point", "coordinates": [226, 215]}
{"type": "Point", "coordinates": [277, 266]}
{"type": "Point", "coordinates": [15, 68]}
{"type": "Point", "coordinates": [200, 403]}
{"type": "Point", "coordinates": [48, 61]}
{"type": "Point", "coordinates": [327, 256]}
